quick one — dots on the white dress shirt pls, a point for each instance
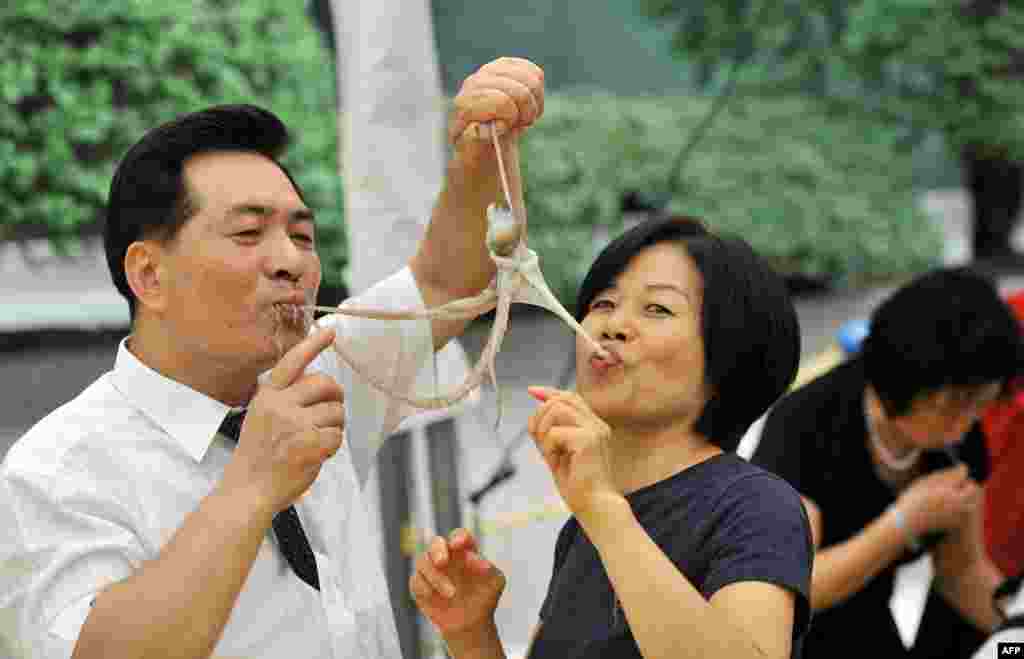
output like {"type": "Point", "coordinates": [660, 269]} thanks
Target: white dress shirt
{"type": "Point", "coordinates": [100, 485]}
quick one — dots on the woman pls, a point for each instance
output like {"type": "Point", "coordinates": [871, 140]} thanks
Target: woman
{"type": "Point", "coordinates": [897, 426]}
{"type": "Point", "coordinates": [676, 547]}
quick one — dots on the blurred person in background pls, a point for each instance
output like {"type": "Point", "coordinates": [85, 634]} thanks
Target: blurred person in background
{"type": "Point", "coordinates": [886, 451]}
{"type": "Point", "coordinates": [201, 496]}
{"type": "Point", "coordinates": [1003, 426]}
{"type": "Point", "coordinates": [676, 546]}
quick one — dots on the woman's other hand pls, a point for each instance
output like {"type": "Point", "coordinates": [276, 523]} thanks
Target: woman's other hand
{"type": "Point", "coordinates": [455, 587]}
{"type": "Point", "coordinates": [939, 501]}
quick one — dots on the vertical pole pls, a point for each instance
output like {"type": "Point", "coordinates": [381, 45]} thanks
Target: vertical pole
{"type": "Point", "coordinates": [442, 448]}
{"type": "Point", "coordinates": [394, 477]}
{"type": "Point", "coordinates": [442, 456]}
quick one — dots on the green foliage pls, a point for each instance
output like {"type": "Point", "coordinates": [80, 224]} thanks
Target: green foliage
{"type": "Point", "coordinates": [950, 66]}
{"type": "Point", "coordinates": [817, 193]}
{"type": "Point", "coordinates": [81, 81]}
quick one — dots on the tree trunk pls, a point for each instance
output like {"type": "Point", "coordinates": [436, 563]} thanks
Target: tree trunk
{"type": "Point", "coordinates": [993, 179]}
{"type": "Point", "coordinates": [996, 187]}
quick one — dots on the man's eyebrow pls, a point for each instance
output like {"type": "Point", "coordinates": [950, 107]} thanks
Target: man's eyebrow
{"type": "Point", "coordinates": [264, 210]}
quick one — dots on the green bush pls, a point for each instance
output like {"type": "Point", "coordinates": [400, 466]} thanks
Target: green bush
{"type": "Point", "coordinates": [81, 81]}
{"type": "Point", "coordinates": [821, 195]}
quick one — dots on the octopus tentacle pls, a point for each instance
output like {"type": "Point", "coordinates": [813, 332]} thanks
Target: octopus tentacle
{"type": "Point", "coordinates": [473, 380]}
{"type": "Point", "coordinates": [518, 280]}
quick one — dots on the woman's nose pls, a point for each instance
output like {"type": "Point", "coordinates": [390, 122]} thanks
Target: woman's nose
{"type": "Point", "coordinates": [617, 326]}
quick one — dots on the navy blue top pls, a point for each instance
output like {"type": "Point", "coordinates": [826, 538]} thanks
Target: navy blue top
{"type": "Point", "coordinates": [720, 521]}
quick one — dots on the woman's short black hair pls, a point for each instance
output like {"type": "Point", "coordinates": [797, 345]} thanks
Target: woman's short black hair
{"type": "Point", "coordinates": [948, 327]}
{"type": "Point", "coordinates": [748, 324]}
{"type": "Point", "coordinates": [148, 195]}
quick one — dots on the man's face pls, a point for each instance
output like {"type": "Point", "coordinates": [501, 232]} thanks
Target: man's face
{"type": "Point", "coordinates": [239, 270]}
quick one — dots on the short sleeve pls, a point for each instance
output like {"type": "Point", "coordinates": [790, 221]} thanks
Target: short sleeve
{"type": "Point", "coordinates": [761, 533]}
{"type": "Point", "coordinates": [396, 353]}
{"type": "Point", "coordinates": [565, 539]}
{"type": "Point", "coordinates": [58, 552]}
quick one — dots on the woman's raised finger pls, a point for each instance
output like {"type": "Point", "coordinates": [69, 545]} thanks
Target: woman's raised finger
{"type": "Point", "coordinates": [422, 591]}
{"type": "Point", "coordinates": [435, 578]}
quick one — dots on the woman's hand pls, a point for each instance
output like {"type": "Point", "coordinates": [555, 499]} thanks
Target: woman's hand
{"type": "Point", "coordinates": [574, 443]}
{"type": "Point", "coordinates": [939, 501]}
{"type": "Point", "coordinates": [455, 587]}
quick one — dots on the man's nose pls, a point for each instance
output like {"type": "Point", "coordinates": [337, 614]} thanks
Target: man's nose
{"type": "Point", "coordinates": [285, 259]}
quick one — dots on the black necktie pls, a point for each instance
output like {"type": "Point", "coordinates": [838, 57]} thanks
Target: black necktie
{"type": "Point", "coordinates": [287, 526]}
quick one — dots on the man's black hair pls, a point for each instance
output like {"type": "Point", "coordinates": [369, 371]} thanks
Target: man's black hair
{"type": "Point", "coordinates": [149, 198]}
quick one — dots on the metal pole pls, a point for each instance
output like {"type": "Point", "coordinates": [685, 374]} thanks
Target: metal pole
{"type": "Point", "coordinates": [394, 477]}
{"type": "Point", "coordinates": [442, 449]}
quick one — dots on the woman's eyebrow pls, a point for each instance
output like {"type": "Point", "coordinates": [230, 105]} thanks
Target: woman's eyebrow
{"type": "Point", "coordinates": [302, 215]}
{"type": "Point", "coordinates": [659, 286]}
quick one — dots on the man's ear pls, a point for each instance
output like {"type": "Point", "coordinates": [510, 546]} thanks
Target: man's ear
{"type": "Point", "coordinates": [144, 268]}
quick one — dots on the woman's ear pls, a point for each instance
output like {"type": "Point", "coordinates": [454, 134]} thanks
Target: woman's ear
{"type": "Point", "coordinates": [144, 270]}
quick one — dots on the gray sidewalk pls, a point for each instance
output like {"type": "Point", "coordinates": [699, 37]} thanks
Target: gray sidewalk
{"type": "Point", "coordinates": [42, 291]}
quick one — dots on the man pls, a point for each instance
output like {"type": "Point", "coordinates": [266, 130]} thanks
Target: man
{"type": "Point", "coordinates": [147, 518]}
{"type": "Point", "coordinates": [879, 448]}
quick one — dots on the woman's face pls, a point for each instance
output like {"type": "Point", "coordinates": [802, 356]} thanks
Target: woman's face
{"type": "Point", "coordinates": [940, 418]}
{"type": "Point", "coordinates": [650, 320]}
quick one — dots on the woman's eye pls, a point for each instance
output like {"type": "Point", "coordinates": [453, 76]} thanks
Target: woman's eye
{"type": "Point", "coordinates": [303, 238]}
{"type": "Point", "coordinates": [599, 304]}
{"type": "Point", "coordinates": [657, 308]}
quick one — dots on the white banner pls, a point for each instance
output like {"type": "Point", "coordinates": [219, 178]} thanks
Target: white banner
{"type": "Point", "coordinates": [392, 132]}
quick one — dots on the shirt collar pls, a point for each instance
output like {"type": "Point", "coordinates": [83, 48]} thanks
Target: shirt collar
{"type": "Point", "coordinates": [191, 418]}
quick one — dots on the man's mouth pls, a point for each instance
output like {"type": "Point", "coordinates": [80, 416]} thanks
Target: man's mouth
{"type": "Point", "coordinates": [292, 317]}
{"type": "Point", "coordinates": [287, 321]}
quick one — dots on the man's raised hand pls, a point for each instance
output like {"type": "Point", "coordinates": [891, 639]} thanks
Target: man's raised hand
{"type": "Point", "coordinates": [294, 423]}
{"type": "Point", "coordinates": [508, 91]}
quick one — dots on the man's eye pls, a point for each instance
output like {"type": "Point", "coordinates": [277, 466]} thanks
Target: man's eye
{"type": "Point", "coordinates": [303, 238]}
{"type": "Point", "coordinates": [657, 308]}
{"type": "Point", "coordinates": [601, 304]}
